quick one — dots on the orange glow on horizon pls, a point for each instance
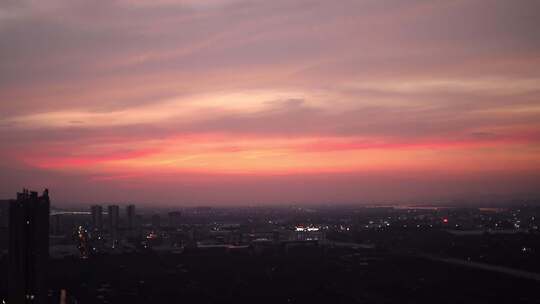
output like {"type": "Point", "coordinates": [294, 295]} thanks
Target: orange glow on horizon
{"type": "Point", "coordinates": [219, 153]}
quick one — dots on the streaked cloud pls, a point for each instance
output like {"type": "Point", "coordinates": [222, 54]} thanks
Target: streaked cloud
{"type": "Point", "coordinates": [215, 90]}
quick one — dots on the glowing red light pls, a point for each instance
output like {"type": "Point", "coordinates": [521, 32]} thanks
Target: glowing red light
{"type": "Point", "coordinates": [445, 220]}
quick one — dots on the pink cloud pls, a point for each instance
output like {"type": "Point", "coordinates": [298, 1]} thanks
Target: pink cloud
{"type": "Point", "coordinates": [138, 95]}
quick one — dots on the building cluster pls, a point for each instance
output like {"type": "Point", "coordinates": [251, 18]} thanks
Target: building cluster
{"type": "Point", "coordinates": [35, 233]}
{"type": "Point", "coordinates": [28, 252]}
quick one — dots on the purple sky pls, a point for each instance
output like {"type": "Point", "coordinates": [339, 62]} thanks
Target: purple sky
{"type": "Point", "coordinates": [258, 102]}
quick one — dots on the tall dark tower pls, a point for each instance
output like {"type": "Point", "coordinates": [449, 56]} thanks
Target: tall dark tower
{"type": "Point", "coordinates": [175, 219]}
{"type": "Point", "coordinates": [130, 212]}
{"type": "Point", "coordinates": [114, 217]}
{"type": "Point", "coordinates": [4, 213]}
{"type": "Point", "coordinates": [97, 217]}
{"type": "Point", "coordinates": [28, 247]}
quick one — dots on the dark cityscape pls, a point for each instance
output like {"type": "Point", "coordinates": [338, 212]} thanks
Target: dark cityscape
{"type": "Point", "coordinates": [280, 152]}
{"type": "Point", "coordinates": [340, 254]}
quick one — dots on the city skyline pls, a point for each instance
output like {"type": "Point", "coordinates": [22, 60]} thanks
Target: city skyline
{"type": "Point", "coordinates": [255, 102]}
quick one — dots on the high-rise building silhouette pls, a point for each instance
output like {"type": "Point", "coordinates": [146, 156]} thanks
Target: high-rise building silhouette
{"type": "Point", "coordinates": [130, 213]}
{"type": "Point", "coordinates": [156, 221]}
{"type": "Point", "coordinates": [114, 217]}
{"type": "Point", "coordinates": [4, 213]}
{"type": "Point", "coordinates": [28, 247]}
{"type": "Point", "coordinates": [97, 217]}
{"type": "Point", "coordinates": [175, 219]}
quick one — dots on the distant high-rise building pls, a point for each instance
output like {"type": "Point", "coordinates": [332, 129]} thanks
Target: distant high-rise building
{"type": "Point", "coordinates": [130, 213]}
{"type": "Point", "coordinates": [28, 247]}
{"type": "Point", "coordinates": [114, 217]}
{"type": "Point", "coordinates": [4, 213]}
{"type": "Point", "coordinates": [175, 219]}
{"type": "Point", "coordinates": [156, 221]}
{"type": "Point", "coordinates": [97, 216]}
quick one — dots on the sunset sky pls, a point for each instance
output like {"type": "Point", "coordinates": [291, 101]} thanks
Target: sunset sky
{"type": "Point", "coordinates": [209, 102]}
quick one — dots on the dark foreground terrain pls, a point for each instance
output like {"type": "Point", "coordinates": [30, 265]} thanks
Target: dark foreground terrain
{"type": "Point", "coordinates": [331, 275]}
